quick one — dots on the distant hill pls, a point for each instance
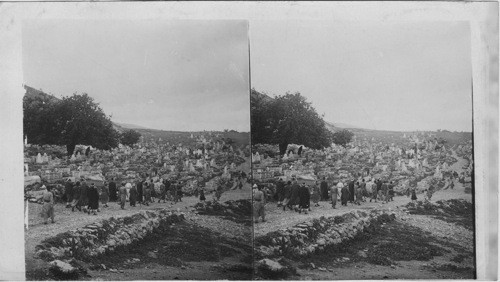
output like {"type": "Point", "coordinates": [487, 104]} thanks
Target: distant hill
{"type": "Point", "coordinates": [34, 93]}
{"type": "Point", "coordinates": [129, 125]}
{"type": "Point", "coordinates": [337, 126]}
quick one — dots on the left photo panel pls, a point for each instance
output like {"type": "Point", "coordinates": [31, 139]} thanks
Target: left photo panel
{"type": "Point", "coordinates": [136, 150]}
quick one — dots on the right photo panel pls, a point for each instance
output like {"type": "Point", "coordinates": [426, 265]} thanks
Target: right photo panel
{"type": "Point", "coordinates": [362, 150]}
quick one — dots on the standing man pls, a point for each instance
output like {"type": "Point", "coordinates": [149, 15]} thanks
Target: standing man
{"type": "Point", "coordinates": [112, 190]}
{"type": "Point", "coordinates": [316, 195]}
{"type": "Point", "coordinates": [123, 195]}
{"type": "Point", "coordinates": [287, 194]}
{"type": "Point", "coordinates": [304, 198]}
{"type": "Point", "coordinates": [385, 191]}
{"type": "Point", "coordinates": [48, 205]}
{"type": "Point", "coordinates": [68, 191]}
{"type": "Point", "coordinates": [139, 190]}
{"type": "Point", "coordinates": [147, 193]}
{"type": "Point", "coordinates": [351, 191]}
{"type": "Point", "coordinates": [93, 199]}
{"type": "Point", "coordinates": [324, 190]}
{"type": "Point", "coordinates": [380, 193]}
{"type": "Point", "coordinates": [163, 192]}
{"type": "Point", "coordinates": [362, 185]}
{"type": "Point", "coordinates": [294, 195]}
{"type": "Point", "coordinates": [76, 197]}
{"type": "Point", "coordinates": [334, 194]}
{"type": "Point", "coordinates": [132, 195]}
{"type": "Point", "coordinates": [83, 194]}
{"type": "Point", "coordinates": [280, 190]}
{"type": "Point", "coordinates": [258, 204]}
{"type": "Point", "coordinates": [345, 196]}
{"type": "Point", "coordinates": [105, 195]}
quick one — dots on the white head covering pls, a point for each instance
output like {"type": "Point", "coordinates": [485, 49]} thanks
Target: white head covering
{"type": "Point", "coordinates": [128, 185]}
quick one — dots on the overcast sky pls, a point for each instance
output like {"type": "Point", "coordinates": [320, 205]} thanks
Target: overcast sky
{"type": "Point", "coordinates": [393, 76]}
{"type": "Point", "coordinates": [171, 75]}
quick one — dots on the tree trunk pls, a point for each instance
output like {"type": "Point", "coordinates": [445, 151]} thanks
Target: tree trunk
{"type": "Point", "coordinates": [283, 147]}
{"type": "Point", "coordinates": [70, 148]}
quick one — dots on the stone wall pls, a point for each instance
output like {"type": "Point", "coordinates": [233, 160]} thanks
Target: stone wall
{"type": "Point", "coordinates": [105, 236]}
{"type": "Point", "coordinates": [308, 237]}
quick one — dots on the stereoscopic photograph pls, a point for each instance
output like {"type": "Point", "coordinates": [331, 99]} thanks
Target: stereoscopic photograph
{"type": "Point", "coordinates": [249, 141]}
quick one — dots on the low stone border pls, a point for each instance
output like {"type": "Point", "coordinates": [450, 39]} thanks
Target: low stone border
{"type": "Point", "coordinates": [104, 236]}
{"type": "Point", "coordinates": [309, 237]}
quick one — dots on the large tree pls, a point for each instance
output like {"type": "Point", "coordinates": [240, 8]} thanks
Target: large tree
{"type": "Point", "coordinates": [76, 119]}
{"type": "Point", "coordinates": [285, 120]}
{"type": "Point", "coordinates": [342, 137]}
{"type": "Point", "coordinates": [130, 137]}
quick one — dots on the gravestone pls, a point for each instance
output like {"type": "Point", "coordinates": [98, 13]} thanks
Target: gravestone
{"type": "Point", "coordinates": [39, 159]}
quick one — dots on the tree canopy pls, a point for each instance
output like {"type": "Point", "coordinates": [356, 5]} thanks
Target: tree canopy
{"type": "Point", "coordinates": [76, 119]}
{"type": "Point", "coordinates": [287, 119]}
{"type": "Point", "coordinates": [130, 137]}
{"type": "Point", "coordinates": [342, 137]}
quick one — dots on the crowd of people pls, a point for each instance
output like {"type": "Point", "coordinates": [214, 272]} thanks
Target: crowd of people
{"type": "Point", "coordinates": [91, 199]}
{"type": "Point", "coordinates": [300, 197]}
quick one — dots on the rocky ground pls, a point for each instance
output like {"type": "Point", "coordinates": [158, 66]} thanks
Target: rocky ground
{"type": "Point", "coordinates": [203, 247]}
{"type": "Point", "coordinates": [411, 247]}
{"type": "Point", "coordinates": [426, 241]}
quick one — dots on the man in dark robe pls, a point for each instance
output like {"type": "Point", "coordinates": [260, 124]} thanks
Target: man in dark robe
{"type": "Point", "coordinates": [76, 197]}
{"type": "Point", "coordinates": [280, 191]}
{"type": "Point", "coordinates": [379, 190]}
{"type": "Point", "coordinates": [324, 190]}
{"type": "Point", "coordinates": [112, 191]}
{"type": "Point", "coordinates": [167, 187]}
{"type": "Point", "coordinates": [287, 194]}
{"type": "Point", "coordinates": [294, 195]}
{"type": "Point", "coordinates": [68, 192]}
{"type": "Point", "coordinates": [93, 199]}
{"type": "Point", "coordinates": [179, 192]}
{"type": "Point", "coordinates": [351, 191]}
{"type": "Point", "coordinates": [123, 195]}
{"type": "Point", "coordinates": [300, 151]}
{"type": "Point", "coordinates": [147, 193]}
{"type": "Point", "coordinates": [304, 198]}
{"type": "Point", "coordinates": [139, 191]}
{"type": "Point", "coordinates": [87, 152]}
{"type": "Point", "coordinates": [84, 194]}
{"type": "Point", "coordinates": [362, 185]}
{"type": "Point", "coordinates": [385, 191]}
{"type": "Point", "coordinates": [345, 196]}
{"type": "Point", "coordinates": [132, 196]}
{"type": "Point", "coordinates": [163, 193]}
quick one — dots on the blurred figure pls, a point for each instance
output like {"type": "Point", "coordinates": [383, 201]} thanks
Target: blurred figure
{"type": "Point", "coordinates": [258, 204]}
{"type": "Point", "coordinates": [48, 205]}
